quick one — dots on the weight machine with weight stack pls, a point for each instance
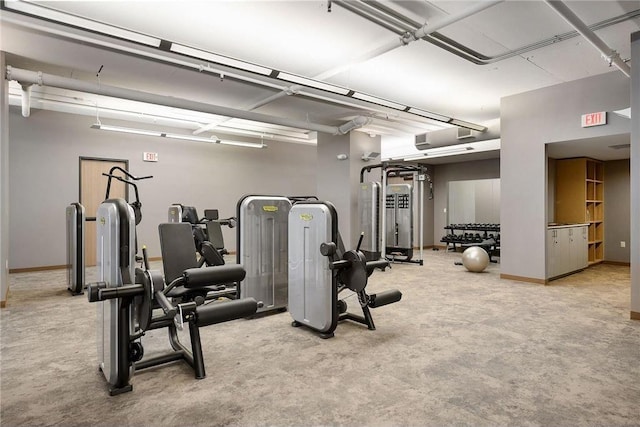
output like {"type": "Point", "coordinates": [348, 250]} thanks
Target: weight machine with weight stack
{"type": "Point", "coordinates": [396, 216]}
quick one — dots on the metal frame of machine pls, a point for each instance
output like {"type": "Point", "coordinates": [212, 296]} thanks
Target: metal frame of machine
{"type": "Point", "coordinates": [76, 220]}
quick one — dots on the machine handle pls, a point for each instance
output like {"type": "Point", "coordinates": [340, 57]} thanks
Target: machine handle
{"type": "Point", "coordinates": [165, 304]}
{"type": "Point", "coordinates": [340, 265]}
{"type": "Point", "coordinates": [145, 257]}
{"type": "Point", "coordinates": [360, 242]}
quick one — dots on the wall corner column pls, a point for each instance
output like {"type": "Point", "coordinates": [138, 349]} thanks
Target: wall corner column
{"type": "Point", "coordinates": [338, 176]}
{"type": "Point", "coordinates": [635, 176]}
{"type": "Point", "coordinates": [4, 184]}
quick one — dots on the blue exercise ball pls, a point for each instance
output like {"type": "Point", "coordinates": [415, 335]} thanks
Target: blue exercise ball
{"type": "Point", "coordinates": [475, 259]}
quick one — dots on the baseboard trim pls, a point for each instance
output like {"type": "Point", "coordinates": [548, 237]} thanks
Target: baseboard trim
{"type": "Point", "coordinates": [635, 315]}
{"type": "Point", "coordinates": [33, 269]}
{"type": "Point", "coordinates": [624, 264]}
{"type": "Point", "coordinates": [523, 279]}
{"type": "Point", "coordinates": [3, 304]}
{"type": "Point", "coordinates": [56, 267]}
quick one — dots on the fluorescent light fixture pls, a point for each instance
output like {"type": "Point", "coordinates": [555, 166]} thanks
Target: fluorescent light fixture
{"type": "Point", "coordinates": [219, 59]}
{"type": "Point", "coordinates": [313, 83]}
{"type": "Point", "coordinates": [78, 21]}
{"type": "Point", "coordinates": [468, 125]}
{"type": "Point", "coordinates": [379, 101]}
{"type": "Point", "coordinates": [434, 152]}
{"type": "Point", "coordinates": [212, 140]}
{"type": "Point", "coordinates": [414, 157]}
{"type": "Point", "coordinates": [126, 130]}
{"type": "Point", "coordinates": [188, 137]}
{"type": "Point", "coordinates": [437, 152]}
{"type": "Point", "coordinates": [242, 144]}
{"type": "Point", "coordinates": [429, 115]}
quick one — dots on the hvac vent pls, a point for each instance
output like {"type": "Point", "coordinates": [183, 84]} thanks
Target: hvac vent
{"type": "Point", "coordinates": [421, 142]}
{"type": "Point", "coordinates": [465, 133]}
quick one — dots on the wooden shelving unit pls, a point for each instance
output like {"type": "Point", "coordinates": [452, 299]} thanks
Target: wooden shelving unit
{"type": "Point", "coordinates": [580, 199]}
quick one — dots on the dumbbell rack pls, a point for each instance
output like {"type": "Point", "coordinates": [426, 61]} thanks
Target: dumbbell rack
{"type": "Point", "coordinates": [469, 238]}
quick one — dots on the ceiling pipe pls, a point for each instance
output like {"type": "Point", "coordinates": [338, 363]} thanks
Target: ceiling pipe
{"type": "Point", "coordinates": [27, 76]}
{"type": "Point", "coordinates": [101, 40]}
{"type": "Point", "coordinates": [152, 119]}
{"type": "Point", "coordinates": [405, 39]}
{"type": "Point", "coordinates": [384, 14]}
{"type": "Point", "coordinates": [26, 99]}
{"type": "Point", "coordinates": [364, 10]}
{"type": "Point", "coordinates": [610, 55]}
{"type": "Point", "coordinates": [450, 19]}
{"type": "Point", "coordinates": [356, 123]}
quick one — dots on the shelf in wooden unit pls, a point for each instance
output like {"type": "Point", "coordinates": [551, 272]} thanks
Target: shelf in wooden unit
{"type": "Point", "coordinates": [580, 199]}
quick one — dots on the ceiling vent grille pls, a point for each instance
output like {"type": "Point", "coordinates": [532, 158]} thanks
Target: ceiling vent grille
{"type": "Point", "coordinates": [458, 135]}
{"type": "Point", "coordinates": [463, 133]}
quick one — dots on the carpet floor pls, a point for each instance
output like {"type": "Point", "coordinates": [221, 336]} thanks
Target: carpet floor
{"type": "Point", "coordinates": [460, 348]}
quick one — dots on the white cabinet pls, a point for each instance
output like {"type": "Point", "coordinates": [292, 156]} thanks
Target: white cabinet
{"type": "Point", "coordinates": [567, 249]}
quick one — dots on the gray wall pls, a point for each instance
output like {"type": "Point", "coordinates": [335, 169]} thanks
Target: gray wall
{"type": "Point", "coordinates": [474, 201]}
{"type": "Point", "coordinates": [528, 122]}
{"type": "Point", "coordinates": [617, 187]}
{"type": "Point", "coordinates": [338, 179]}
{"type": "Point", "coordinates": [44, 151]}
{"type": "Point", "coordinates": [443, 174]}
{"type": "Point", "coordinates": [333, 179]}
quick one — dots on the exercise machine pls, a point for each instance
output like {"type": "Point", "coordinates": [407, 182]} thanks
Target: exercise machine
{"type": "Point", "coordinates": [132, 301]}
{"type": "Point", "coordinates": [179, 213]}
{"type": "Point", "coordinates": [399, 224]}
{"type": "Point", "coordinates": [214, 224]}
{"type": "Point", "coordinates": [76, 219]}
{"type": "Point", "coordinates": [207, 229]}
{"type": "Point", "coordinates": [368, 209]}
{"type": "Point", "coordinates": [320, 269]}
{"type": "Point", "coordinates": [262, 233]}
{"type": "Point", "coordinates": [393, 221]}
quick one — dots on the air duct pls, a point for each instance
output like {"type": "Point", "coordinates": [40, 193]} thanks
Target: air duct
{"type": "Point", "coordinates": [455, 136]}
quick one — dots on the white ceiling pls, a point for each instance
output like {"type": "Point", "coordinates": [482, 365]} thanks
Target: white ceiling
{"type": "Point", "coordinates": [304, 38]}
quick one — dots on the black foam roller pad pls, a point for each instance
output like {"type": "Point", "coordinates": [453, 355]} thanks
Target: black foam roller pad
{"type": "Point", "coordinates": [198, 277]}
{"type": "Point", "coordinates": [372, 265]}
{"type": "Point", "coordinates": [224, 311]}
{"type": "Point", "coordinates": [384, 298]}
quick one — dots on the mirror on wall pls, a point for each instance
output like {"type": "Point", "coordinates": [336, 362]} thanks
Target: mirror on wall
{"type": "Point", "coordinates": [474, 201]}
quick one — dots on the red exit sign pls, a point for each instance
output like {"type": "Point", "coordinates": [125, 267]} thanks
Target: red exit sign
{"type": "Point", "coordinates": [594, 119]}
{"type": "Point", "coordinates": [150, 157]}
